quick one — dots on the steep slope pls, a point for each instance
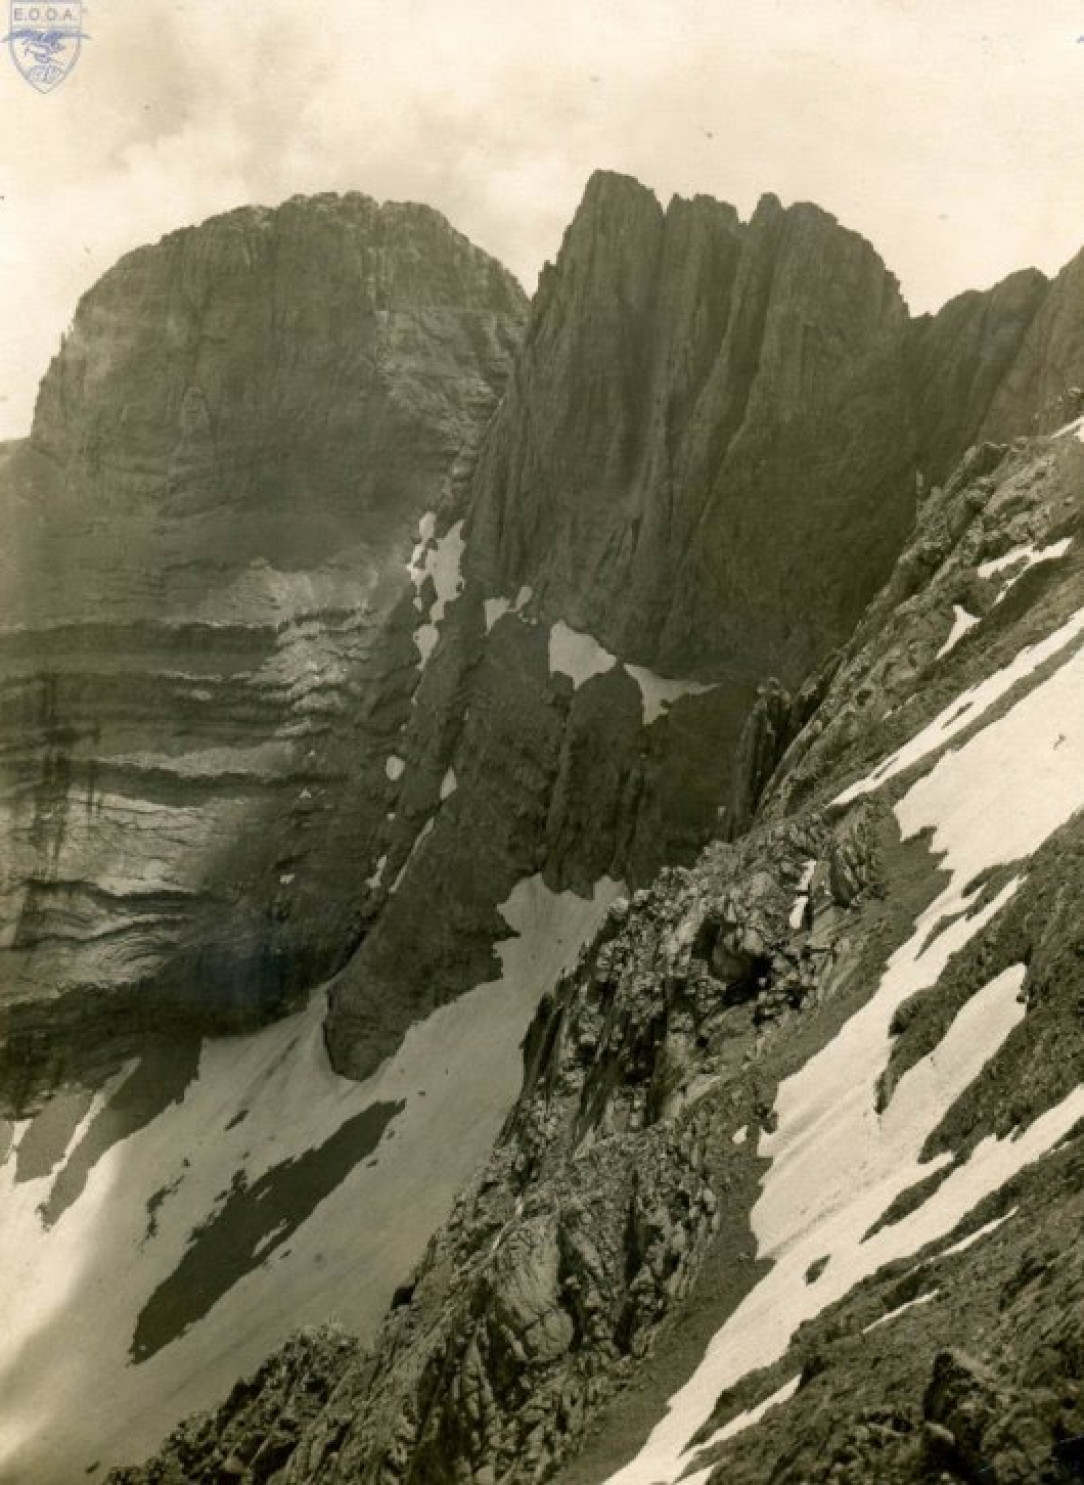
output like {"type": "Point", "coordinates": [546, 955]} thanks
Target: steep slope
{"type": "Point", "coordinates": [798, 1137]}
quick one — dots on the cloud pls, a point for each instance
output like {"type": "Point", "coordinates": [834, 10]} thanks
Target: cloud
{"type": "Point", "coordinates": [949, 136]}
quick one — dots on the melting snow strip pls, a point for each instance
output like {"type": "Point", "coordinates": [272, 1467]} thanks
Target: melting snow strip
{"type": "Point", "coordinates": [922, 1299]}
{"type": "Point", "coordinates": [1075, 428]}
{"type": "Point", "coordinates": [967, 708]}
{"type": "Point", "coordinates": [1022, 559]}
{"type": "Point", "coordinates": [747, 1419]}
{"type": "Point", "coordinates": [962, 621]}
{"type": "Point", "coordinates": [975, 1237]}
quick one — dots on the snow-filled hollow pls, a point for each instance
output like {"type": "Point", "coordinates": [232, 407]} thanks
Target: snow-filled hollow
{"type": "Point", "coordinates": [580, 657]}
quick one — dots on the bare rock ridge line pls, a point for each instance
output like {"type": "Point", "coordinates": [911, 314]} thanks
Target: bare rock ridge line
{"type": "Point", "coordinates": [794, 1174]}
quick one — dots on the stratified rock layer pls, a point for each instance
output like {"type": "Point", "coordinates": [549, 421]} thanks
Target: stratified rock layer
{"type": "Point", "coordinates": [199, 674]}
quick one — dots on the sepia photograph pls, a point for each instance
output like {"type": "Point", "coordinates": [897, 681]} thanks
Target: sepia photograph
{"type": "Point", "coordinates": [541, 742]}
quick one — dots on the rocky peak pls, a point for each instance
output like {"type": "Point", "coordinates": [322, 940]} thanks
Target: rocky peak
{"type": "Point", "coordinates": [678, 369]}
{"type": "Point", "coordinates": [332, 348]}
{"type": "Point", "coordinates": [1049, 364]}
{"type": "Point", "coordinates": [229, 459]}
{"type": "Point", "coordinates": [960, 357]}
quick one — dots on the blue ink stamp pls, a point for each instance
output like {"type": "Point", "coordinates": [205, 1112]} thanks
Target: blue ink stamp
{"type": "Point", "coordinates": [45, 40]}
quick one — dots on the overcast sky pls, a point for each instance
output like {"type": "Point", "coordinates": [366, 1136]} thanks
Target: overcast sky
{"type": "Point", "coordinates": [950, 132]}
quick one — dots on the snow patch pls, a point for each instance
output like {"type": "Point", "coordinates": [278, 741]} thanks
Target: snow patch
{"type": "Point", "coordinates": [419, 840]}
{"type": "Point", "coordinates": [438, 559]}
{"type": "Point", "coordinates": [962, 621]}
{"type": "Point", "coordinates": [425, 638]}
{"type": "Point", "coordinates": [922, 1299]}
{"type": "Point", "coordinates": [373, 882]}
{"type": "Point", "coordinates": [394, 767]}
{"type": "Point", "coordinates": [1074, 429]}
{"type": "Point", "coordinates": [577, 655]}
{"type": "Point", "coordinates": [580, 657]}
{"type": "Point", "coordinates": [495, 608]}
{"type": "Point", "coordinates": [1022, 559]}
{"type": "Point", "coordinates": [448, 785]}
{"type": "Point", "coordinates": [801, 901]}
{"type": "Point", "coordinates": [443, 565]}
{"type": "Point", "coordinates": [968, 707]}
{"type": "Point", "coordinates": [660, 692]}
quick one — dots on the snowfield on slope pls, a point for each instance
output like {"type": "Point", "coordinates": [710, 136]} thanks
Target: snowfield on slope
{"type": "Point", "coordinates": [271, 1193]}
{"type": "Point", "coordinates": [836, 1164]}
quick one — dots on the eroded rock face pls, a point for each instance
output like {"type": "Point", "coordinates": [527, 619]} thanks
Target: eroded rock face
{"type": "Point", "coordinates": [704, 466]}
{"type": "Point", "coordinates": [690, 384]}
{"type": "Point", "coordinates": [201, 672]}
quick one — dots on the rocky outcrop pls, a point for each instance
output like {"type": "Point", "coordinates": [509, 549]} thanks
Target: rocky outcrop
{"type": "Point", "coordinates": [1042, 388]}
{"type": "Point", "coordinates": [997, 364]}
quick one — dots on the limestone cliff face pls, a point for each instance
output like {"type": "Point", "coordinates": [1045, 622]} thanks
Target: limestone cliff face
{"type": "Point", "coordinates": [199, 679]}
{"type": "Point", "coordinates": [701, 469]}
{"type": "Point", "coordinates": [691, 390]}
